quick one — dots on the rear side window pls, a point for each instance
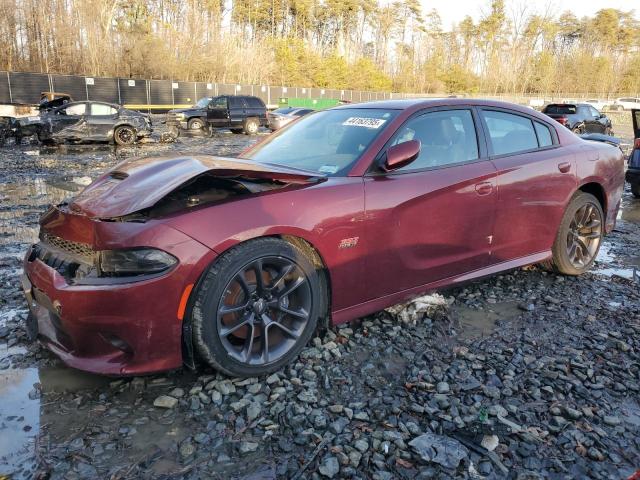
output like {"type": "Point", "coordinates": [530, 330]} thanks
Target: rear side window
{"type": "Point", "coordinates": [77, 109]}
{"type": "Point", "coordinates": [544, 134]}
{"type": "Point", "coordinates": [446, 138]}
{"type": "Point", "coordinates": [509, 133]}
{"type": "Point", "coordinates": [103, 110]}
{"type": "Point", "coordinates": [254, 102]}
{"type": "Point", "coordinates": [236, 102]}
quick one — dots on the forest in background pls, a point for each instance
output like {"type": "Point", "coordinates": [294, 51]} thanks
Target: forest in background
{"type": "Point", "coordinates": [344, 44]}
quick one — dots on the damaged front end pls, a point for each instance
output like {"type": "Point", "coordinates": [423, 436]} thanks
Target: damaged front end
{"type": "Point", "coordinates": [106, 282]}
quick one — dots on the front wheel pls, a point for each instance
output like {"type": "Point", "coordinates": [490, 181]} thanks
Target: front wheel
{"type": "Point", "coordinates": [124, 135]}
{"type": "Point", "coordinates": [256, 307]}
{"type": "Point", "coordinates": [195, 124]}
{"type": "Point", "coordinates": [579, 237]}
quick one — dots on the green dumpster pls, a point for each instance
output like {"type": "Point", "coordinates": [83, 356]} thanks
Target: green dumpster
{"type": "Point", "coordinates": [315, 103]}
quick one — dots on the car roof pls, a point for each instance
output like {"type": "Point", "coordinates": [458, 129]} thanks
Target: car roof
{"type": "Point", "coordinates": [415, 104]}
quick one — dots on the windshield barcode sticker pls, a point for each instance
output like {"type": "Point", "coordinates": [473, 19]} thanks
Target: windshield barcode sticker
{"type": "Point", "coordinates": [364, 122]}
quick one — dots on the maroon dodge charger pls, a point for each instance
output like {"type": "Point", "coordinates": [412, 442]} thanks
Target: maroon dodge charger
{"type": "Point", "coordinates": [237, 261]}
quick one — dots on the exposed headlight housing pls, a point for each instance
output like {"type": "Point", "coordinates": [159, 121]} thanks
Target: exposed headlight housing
{"type": "Point", "coordinates": [132, 262]}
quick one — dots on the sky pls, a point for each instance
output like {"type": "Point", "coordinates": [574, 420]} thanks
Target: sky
{"type": "Point", "coordinates": [455, 10]}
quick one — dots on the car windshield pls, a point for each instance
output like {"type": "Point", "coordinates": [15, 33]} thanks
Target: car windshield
{"type": "Point", "coordinates": [327, 142]}
{"type": "Point", "coordinates": [203, 102]}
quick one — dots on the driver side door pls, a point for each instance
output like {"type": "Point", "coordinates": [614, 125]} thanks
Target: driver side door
{"type": "Point", "coordinates": [218, 112]}
{"type": "Point", "coordinates": [432, 219]}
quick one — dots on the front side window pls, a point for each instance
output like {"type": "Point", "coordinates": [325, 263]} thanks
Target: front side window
{"type": "Point", "coordinates": [102, 109]}
{"type": "Point", "coordinates": [509, 133]}
{"type": "Point", "coordinates": [446, 138]}
{"type": "Point", "coordinates": [594, 113]}
{"type": "Point", "coordinates": [327, 142]}
{"type": "Point", "coordinates": [203, 102]}
{"type": "Point", "coordinates": [219, 103]}
{"type": "Point", "coordinates": [77, 109]}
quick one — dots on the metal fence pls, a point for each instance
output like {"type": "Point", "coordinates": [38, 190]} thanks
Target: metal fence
{"type": "Point", "coordinates": [159, 95]}
{"type": "Point", "coordinates": [19, 87]}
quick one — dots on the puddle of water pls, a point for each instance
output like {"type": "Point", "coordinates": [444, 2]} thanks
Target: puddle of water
{"type": "Point", "coordinates": [630, 211]}
{"type": "Point", "coordinates": [481, 323]}
{"type": "Point", "coordinates": [604, 266]}
{"type": "Point", "coordinates": [21, 416]}
{"type": "Point", "coordinates": [19, 422]}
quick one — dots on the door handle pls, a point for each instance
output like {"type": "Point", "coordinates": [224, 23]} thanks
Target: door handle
{"type": "Point", "coordinates": [484, 188]}
{"type": "Point", "coordinates": [564, 167]}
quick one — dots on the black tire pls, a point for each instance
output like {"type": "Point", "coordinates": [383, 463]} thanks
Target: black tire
{"type": "Point", "coordinates": [218, 337]}
{"type": "Point", "coordinates": [635, 189]}
{"type": "Point", "coordinates": [251, 126]}
{"type": "Point", "coordinates": [578, 130]}
{"type": "Point", "coordinates": [125, 135]}
{"type": "Point", "coordinates": [237, 131]}
{"type": "Point", "coordinates": [195, 124]}
{"type": "Point", "coordinates": [562, 260]}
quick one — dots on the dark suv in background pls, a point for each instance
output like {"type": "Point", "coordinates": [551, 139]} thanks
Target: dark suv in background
{"type": "Point", "coordinates": [633, 172]}
{"type": "Point", "coordinates": [579, 117]}
{"type": "Point", "coordinates": [239, 113]}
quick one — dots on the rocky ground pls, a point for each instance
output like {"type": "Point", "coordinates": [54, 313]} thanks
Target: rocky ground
{"type": "Point", "coordinates": [526, 375]}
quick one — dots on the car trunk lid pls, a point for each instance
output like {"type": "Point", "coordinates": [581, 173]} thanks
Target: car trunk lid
{"type": "Point", "coordinates": [139, 184]}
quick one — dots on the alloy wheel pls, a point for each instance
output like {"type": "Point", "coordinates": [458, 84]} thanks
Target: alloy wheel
{"type": "Point", "coordinates": [264, 310]}
{"type": "Point", "coordinates": [584, 235]}
{"type": "Point", "coordinates": [125, 135]}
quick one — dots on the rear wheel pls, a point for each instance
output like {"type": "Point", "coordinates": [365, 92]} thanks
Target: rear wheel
{"type": "Point", "coordinates": [579, 236]}
{"type": "Point", "coordinates": [251, 126]}
{"type": "Point", "coordinates": [195, 124]}
{"type": "Point", "coordinates": [124, 135]}
{"type": "Point", "coordinates": [578, 130]}
{"type": "Point", "coordinates": [257, 307]}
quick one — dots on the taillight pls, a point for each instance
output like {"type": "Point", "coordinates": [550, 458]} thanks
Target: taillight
{"type": "Point", "coordinates": [562, 120]}
{"type": "Point", "coordinates": [636, 144]}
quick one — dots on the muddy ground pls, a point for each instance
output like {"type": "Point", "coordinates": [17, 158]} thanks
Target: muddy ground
{"type": "Point", "coordinates": [526, 375]}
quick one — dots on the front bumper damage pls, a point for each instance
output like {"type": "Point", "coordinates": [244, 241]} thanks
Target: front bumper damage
{"type": "Point", "coordinates": [107, 325]}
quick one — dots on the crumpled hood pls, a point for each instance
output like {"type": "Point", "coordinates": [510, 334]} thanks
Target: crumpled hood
{"type": "Point", "coordinates": [140, 183]}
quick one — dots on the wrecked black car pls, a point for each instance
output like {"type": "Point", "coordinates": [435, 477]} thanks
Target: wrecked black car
{"type": "Point", "coordinates": [50, 100]}
{"type": "Point", "coordinates": [79, 122]}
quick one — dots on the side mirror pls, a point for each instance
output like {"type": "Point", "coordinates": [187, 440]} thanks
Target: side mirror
{"type": "Point", "coordinates": [401, 155]}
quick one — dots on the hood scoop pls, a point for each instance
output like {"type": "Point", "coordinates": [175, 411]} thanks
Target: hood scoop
{"type": "Point", "coordinates": [138, 184]}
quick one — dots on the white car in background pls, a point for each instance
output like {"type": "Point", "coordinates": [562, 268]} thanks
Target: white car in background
{"type": "Point", "coordinates": [598, 104]}
{"type": "Point", "coordinates": [627, 103]}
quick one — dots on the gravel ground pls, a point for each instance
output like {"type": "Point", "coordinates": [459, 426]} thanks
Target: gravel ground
{"type": "Point", "coordinates": [525, 375]}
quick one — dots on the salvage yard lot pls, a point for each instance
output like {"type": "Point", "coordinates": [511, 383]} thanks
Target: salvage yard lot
{"type": "Point", "coordinates": [548, 364]}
